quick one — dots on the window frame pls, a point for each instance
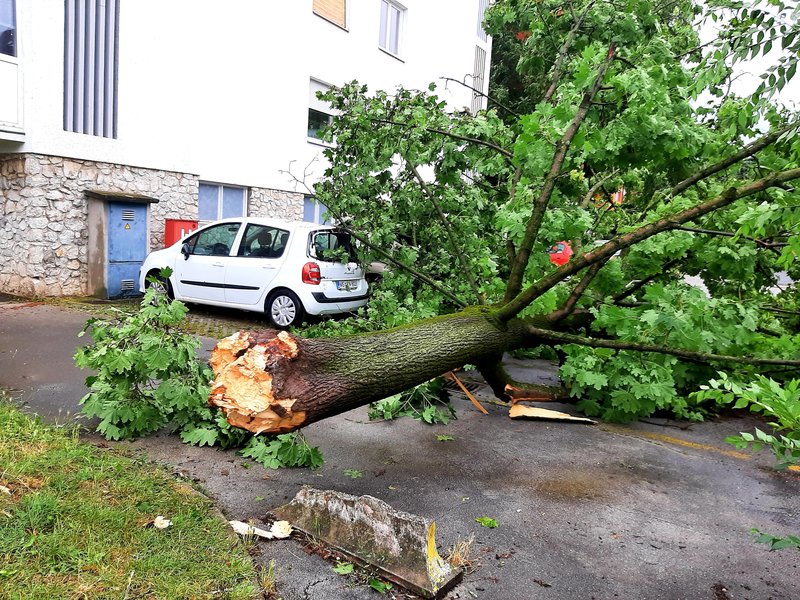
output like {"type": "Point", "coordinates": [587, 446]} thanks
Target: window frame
{"type": "Point", "coordinates": [191, 242]}
{"type": "Point", "coordinates": [317, 85]}
{"type": "Point", "coordinates": [384, 28]}
{"type": "Point", "coordinates": [220, 200]}
{"type": "Point", "coordinates": [319, 210]}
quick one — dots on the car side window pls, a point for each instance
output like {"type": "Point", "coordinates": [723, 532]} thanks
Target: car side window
{"type": "Point", "coordinates": [214, 241]}
{"type": "Point", "coordinates": [263, 241]}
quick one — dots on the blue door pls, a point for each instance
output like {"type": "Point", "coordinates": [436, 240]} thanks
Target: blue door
{"type": "Point", "coordinates": [127, 247]}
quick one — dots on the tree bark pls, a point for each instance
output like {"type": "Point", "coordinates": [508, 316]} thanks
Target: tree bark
{"type": "Point", "coordinates": [276, 382]}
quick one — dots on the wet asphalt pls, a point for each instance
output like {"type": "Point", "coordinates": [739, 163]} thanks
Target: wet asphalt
{"type": "Point", "coordinates": [657, 510]}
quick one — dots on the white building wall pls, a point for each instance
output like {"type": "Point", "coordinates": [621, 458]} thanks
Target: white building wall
{"type": "Point", "coordinates": [220, 90]}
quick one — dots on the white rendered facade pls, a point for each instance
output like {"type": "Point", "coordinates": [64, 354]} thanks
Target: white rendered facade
{"type": "Point", "coordinates": [204, 92]}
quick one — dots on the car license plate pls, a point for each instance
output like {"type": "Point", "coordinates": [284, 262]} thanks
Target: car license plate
{"type": "Point", "coordinates": [346, 286]}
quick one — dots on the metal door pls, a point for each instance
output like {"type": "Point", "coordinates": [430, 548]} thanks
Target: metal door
{"type": "Point", "coordinates": [127, 247]}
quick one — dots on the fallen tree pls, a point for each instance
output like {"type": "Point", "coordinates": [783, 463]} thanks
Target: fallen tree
{"type": "Point", "coordinates": [463, 208]}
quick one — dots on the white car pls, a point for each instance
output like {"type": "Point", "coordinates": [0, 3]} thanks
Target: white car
{"type": "Point", "coordinates": [285, 269]}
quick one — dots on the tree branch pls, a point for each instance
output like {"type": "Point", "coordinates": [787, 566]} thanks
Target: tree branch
{"type": "Point", "coordinates": [507, 153]}
{"type": "Point", "coordinates": [411, 271]}
{"type": "Point", "coordinates": [450, 235]}
{"type": "Point", "coordinates": [567, 338]}
{"type": "Point", "coordinates": [562, 53]}
{"type": "Point", "coordinates": [479, 92]}
{"type": "Point", "coordinates": [540, 205]}
{"type": "Point", "coordinates": [524, 298]}
{"type": "Point", "coordinates": [636, 286]}
{"type": "Point", "coordinates": [746, 152]}
{"type": "Point", "coordinates": [587, 199]}
{"type": "Point", "coordinates": [569, 306]}
{"type": "Point", "coordinates": [762, 243]}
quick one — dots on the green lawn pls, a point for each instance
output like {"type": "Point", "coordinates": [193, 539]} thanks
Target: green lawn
{"type": "Point", "coordinates": [73, 524]}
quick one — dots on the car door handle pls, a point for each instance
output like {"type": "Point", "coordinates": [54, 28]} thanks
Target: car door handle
{"type": "Point", "coordinates": [272, 268]}
{"type": "Point", "coordinates": [218, 264]}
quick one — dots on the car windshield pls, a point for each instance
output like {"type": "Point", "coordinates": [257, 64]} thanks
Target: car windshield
{"type": "Point", "coordinates": [332, 246]}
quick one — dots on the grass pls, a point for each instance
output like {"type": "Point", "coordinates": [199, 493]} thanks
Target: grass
{"type": "Point", "coordinates": [73, 524]}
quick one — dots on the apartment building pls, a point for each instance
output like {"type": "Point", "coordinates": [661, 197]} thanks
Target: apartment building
{"type": "Point", "coordinates": [120, 116]}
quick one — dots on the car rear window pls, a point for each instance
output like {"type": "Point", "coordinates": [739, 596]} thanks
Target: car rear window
{"type": "Point", "coordinates": [332, 246]}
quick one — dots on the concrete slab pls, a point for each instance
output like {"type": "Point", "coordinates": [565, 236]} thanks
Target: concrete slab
{"type": "Point", "coordinates": [649, 511]}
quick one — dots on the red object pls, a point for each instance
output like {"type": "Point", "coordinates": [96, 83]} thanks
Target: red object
{"type": "Point", "coordinates": [311, 273]}
{"type": "Point", "coordinates": [523, 35]}
{"type": "Point", "coordinates": [560, 253]}
{"type": "Point", "coordinates": [175, 229]}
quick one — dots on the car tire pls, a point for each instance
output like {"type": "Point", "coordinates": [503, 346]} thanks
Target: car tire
{"type": "Point", "coordinates": [165, 284]}
{"type": "Point", "coordinates": [284, 309]}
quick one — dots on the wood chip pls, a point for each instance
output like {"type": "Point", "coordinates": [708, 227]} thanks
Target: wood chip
{"type": "Point", "coordinates": [529, 412]}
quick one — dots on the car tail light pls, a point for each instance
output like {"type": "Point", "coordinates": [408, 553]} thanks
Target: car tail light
{"type": "Point", "coordinates": [311, 273]}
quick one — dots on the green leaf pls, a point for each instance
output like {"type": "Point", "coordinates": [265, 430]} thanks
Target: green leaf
{"type": "Point", "coordinates": [343, 568]}
{"type": "Point", "coordinates": [486, 522]}
{"type": "Point", "coordinates": [380, 586]}
{"type": "Point", "coordinates": [353, 474]}
{"type": "Point", "coordinates": [200, 436]}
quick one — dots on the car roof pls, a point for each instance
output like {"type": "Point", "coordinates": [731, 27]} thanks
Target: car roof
{"type": "Point", "coordinates": [281, 223]}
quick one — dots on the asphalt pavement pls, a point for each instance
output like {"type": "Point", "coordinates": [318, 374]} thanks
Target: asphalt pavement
{"type": "Point", "coordinates": [657, 510]}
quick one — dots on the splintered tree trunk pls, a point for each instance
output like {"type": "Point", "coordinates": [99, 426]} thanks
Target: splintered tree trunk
{"type": "Point", "coordinates": [275, 382]}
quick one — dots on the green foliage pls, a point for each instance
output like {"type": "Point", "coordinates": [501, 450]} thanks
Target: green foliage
{"type": "Point", "coordinates": [777, 543]}
{"type": "Point", "coordinates": [424, 402]}
{"type": "Point", "coordinates": [285, 450]}
{"type": "Point", "coordinates": [353, 473]}
{"type": "Point", "coordinates": [487, 522]}
{"type": "Point", "coordinates": [444, 438]}
{"type": "Point", "coordinates": [767, 397]}
{"type": "Point", "coordinates": [648, 129]}
{"type": "Point", "coordinates": [149, 376]}
{"type": "Point", "coordinates": [147, 373]}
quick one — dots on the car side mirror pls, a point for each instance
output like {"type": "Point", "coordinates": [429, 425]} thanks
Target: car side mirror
{"type": "Point", "coordinates": [186, 251]}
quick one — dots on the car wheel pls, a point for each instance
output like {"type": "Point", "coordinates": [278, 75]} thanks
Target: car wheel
{"type": "Point", "coordinates": [284, 309]}
{"type": "Point", "coordinates": [162, 285]}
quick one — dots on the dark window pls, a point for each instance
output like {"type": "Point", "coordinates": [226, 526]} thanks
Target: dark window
{"type": "Point", "coordinates": [333, 246]}
{"type": "Point", "coordinates": [214, 241]}
{"type": "Point", "coordinates": [317, 121]}
{"type": "Point", "coordinates": [263, 241]}
{"type": "Point", "coordinates": [8, 28]}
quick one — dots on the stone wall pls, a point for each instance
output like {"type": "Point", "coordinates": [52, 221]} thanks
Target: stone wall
{"type": "Point", "coordinates": [43, 223]}
{"type": "Point", "coordinates": [264, 202]}
{"type": "Point", "coordinates": [44, 238]}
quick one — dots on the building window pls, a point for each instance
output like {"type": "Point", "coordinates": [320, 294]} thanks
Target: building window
{"type": "Point", "coordinates": [482, 6]}
{"type": "Point", "coordinates": [392, 15]}
{"type": "Point", "coordinates": [334, 11]}
{"type": "Point", "coordinates": [91, 32]}
{"type": "Point", "coordinates": [315, 212]}
{"type": "Point", "coordinates": [8, 28]}
{"type": "Point", "coordinates": [320, 114]}
{"type": "Point", "coordinates": [220, 202]}
{"type": "Point", "coordinates": [478, 98]}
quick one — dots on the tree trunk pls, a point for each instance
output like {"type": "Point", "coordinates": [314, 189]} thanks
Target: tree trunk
{"type": "Point", "coordinates": [274, 383]}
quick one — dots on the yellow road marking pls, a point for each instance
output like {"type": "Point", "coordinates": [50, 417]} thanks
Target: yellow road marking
{"type": "Point", "coordinates": [668, 439]}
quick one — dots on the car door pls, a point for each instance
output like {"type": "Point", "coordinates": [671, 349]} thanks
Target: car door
{"type": "Point", "coordinates": [260, 254]}
{"type": "Point", "coordinates": [200, 274]}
